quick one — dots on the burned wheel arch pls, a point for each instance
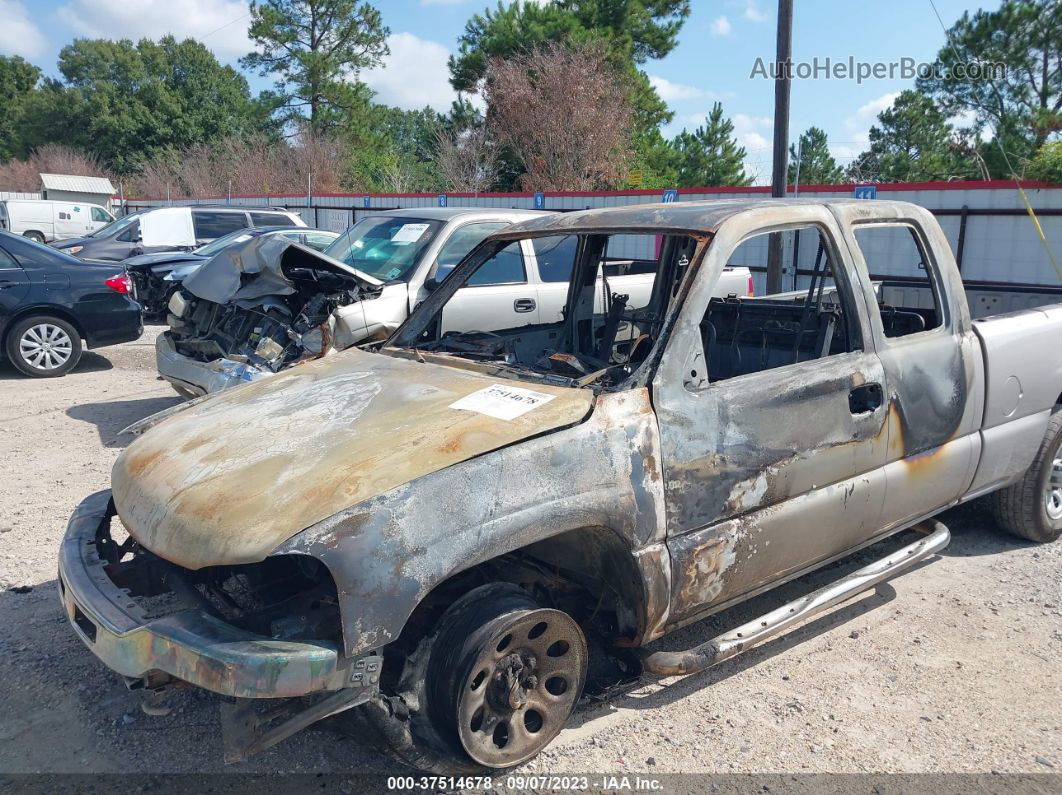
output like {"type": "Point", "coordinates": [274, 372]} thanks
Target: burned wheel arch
{"type": "Point", "coordinates": [388, 553]}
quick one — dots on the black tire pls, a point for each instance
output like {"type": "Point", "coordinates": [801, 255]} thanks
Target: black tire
{"type": "Point", "coordinates": [35, 236]}
{"type": "Point", "coordinates": [417, 725]}
{"type": "Point", "coordinates": [1022, 508]}
{"type": "Point", "coordinates": [37, 345]}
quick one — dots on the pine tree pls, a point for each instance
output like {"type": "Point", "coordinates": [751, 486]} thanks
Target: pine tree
{"type": "Point", "coordinates": [817, 166]}
{"type": "Point", "coordinates": [710, 155]}
{"type": "Point", "coordinates": [911, 142]}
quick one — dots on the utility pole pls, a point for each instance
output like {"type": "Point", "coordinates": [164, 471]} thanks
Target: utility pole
{"type": "Point", "coordinates": [783, 57]}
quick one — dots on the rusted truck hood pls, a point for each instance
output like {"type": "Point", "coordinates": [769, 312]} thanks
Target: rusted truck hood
{"type": "Point", "coordinates": [228, 480]}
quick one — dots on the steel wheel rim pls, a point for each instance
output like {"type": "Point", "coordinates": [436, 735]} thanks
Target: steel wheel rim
{"type": "Point", "coordinates": [45, 346]}
{"type": "Point", "coordinates": [518, 693]}
{"type": "Point", "coordinates": [1053, 497]}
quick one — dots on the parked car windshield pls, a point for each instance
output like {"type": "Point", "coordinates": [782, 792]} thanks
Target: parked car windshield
{"type": "Point", "coordinates": [115, 227]}
{"type": "Point", "coordinates": [383, 246]}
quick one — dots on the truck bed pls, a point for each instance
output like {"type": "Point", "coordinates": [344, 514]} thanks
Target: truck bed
{"type": "Point", "coordinates": [1022, 359]}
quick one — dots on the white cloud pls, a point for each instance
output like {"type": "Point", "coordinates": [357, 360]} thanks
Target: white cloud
{"type": "Point", "coordinates": [19, 35]}
{"type": "Point", "coordinates": [857, 126]}
{"type": "Point", "coordinates": [748, 130]}
{"type": "Point", "coordinates": [220, 24]}
{"type": "Point", "coordinates": [415, 74]}
{"type": "Point", "coordinates": [753, 12]}
{"type": "Point", "coordinates": [721, 26]}
{"type": "Point", "coordinates": [670, 92]}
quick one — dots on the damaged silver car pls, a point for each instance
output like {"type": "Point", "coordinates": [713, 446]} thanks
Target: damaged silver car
{"type": "Point", "coordinates": [443, 543]}
{"type": "Point", "coordinates": [257, 308]}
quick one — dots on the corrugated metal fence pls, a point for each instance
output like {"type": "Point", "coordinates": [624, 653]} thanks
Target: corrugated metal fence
{"type": "Point", "coordinates": [986, 222]}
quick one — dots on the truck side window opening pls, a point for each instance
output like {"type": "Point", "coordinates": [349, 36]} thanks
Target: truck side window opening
{"type": "Point", "coordinates": [812, 319]}
{"type": "Point", "coordinates": [611, 317]}
{"type": "Point", "coordinates": [505, 267]}
{"type": "Point", "coordinates": [908, 296]}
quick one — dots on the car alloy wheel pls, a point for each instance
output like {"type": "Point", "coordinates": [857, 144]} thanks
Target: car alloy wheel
{"type": "Point", "coordinates": [45, 346]}
{"type": "Point", "coordinates": [1053, 492]}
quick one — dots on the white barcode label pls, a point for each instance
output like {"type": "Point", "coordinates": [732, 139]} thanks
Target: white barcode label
{"type": "Point", "coordinates": [502, 401]}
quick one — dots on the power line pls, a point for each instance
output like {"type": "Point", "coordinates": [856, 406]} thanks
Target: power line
{"type": "Point", "coordinates": [232, 22]}
{"type": "Point", "coordinates": [1002, 150]}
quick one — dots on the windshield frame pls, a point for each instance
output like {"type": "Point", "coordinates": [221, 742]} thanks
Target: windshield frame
{"type": "Point", "coordinates": [403, 342]}
{"type": "Point", "coordinates": [421, 246]}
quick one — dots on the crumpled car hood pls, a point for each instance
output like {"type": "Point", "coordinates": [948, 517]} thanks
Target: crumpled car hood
{"type": "Point", "coordinates": [257, 268]}
{"type": "Point", "coordinates": [232, 477]}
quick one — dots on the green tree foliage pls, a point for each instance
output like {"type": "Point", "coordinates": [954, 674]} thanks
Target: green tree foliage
{"type": "Point", "coordinates": [817, 166]}
{"type": "Point", "coordinates": [710, 155]}
{"type": "Point", "coordinates": [1047, 164]}
{"type": "Point", "coordinates": [316, 49]}
{"type": "Point", "coordinates": [126, 102]}
{"type": "Point", "coordinates": [911, 142]}
{"type": "Point", "coordinates": [18, 78]}
{"type": "Point", "coordinates": [1024, 106]}
{"type": "Point", "coordinates": [647, 29]}
{"type": "Point", "coordinates": [632, 30]}
{"type": "Point", "coordinates": [396, 152]}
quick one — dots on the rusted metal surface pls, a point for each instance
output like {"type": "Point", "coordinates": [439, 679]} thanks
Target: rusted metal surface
{"type": "Point", "coordinates": [188, 644]}
{"type": "Point", "coordinates": [675, 496]}
{"type": "Point", "coordinates": [754, 632]}
{"type": "Point", "coordinates": [231, 478]}
{"type": "Point", "coordinates": [388, 552]}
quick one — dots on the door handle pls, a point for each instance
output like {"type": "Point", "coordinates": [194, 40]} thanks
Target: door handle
{"type": "Point", "coordinates": [865, 399]}
{"type": "Point", "coordinates": [524, 305]}
{"type": "Point", "coordinates": [5, 284]}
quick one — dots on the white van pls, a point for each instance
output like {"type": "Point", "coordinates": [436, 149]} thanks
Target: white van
{"type": "Point", "coordinates": [45, 221]}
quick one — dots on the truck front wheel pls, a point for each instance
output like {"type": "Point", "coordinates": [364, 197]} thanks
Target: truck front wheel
{"type": "Point", "coordinates": [488, 689]}
{"type": "Point", "coordinates": [1032, 507]}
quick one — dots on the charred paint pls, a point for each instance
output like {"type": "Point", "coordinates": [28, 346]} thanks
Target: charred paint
{"type": "Point", "coordinates": [230, 479]}
{"type": "Point", "coordinates": [387, 553]}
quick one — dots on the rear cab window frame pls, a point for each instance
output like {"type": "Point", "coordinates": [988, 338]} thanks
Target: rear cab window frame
{"type": "Point", "coordinates": [941, 292]}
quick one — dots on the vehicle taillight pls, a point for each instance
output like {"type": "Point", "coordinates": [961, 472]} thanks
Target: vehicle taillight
{"type": "Point", "coordinates": [752, 287]}
{"type": "Point", "coordinates": [120, 284]}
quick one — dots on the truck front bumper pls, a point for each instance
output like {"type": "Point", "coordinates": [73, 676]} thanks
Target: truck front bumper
{"type": "Point", "coordinates": [201, 378]}
{"type": "Point", "coordinates": [189, 645]}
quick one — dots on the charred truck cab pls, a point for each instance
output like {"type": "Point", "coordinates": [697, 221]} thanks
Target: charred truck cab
{"type": "Point", "coordinates": [447, 539]}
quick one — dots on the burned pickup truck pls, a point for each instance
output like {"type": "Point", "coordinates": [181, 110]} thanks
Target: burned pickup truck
{"type": "Point", "coordinates": [254, 310]}
{"type": "Point", "coordinates": [444, 541]}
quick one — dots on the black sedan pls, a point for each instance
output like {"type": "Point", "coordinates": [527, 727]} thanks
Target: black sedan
{"type": "Point", "coordinates": [149, 271]}
{"type": "Point", "coordinates": [50, 302]}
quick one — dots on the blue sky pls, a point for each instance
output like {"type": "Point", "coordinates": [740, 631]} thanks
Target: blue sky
{"type": "Point", "coordinates": [717, 50]}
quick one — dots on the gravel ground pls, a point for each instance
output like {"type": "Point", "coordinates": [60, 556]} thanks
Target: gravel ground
{"type": "Point", "coordinates": [952, 667]}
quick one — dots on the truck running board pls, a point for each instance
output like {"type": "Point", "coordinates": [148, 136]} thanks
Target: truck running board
{"type": "Point", "coordinates": [723, 647]}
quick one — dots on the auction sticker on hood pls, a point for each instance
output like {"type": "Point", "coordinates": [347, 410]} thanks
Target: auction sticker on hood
{"type": "Point", "coordinates": [502, 401]}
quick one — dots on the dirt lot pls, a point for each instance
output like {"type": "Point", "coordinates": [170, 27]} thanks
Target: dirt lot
{"type": "Point", "coordinates": [953, 667]}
